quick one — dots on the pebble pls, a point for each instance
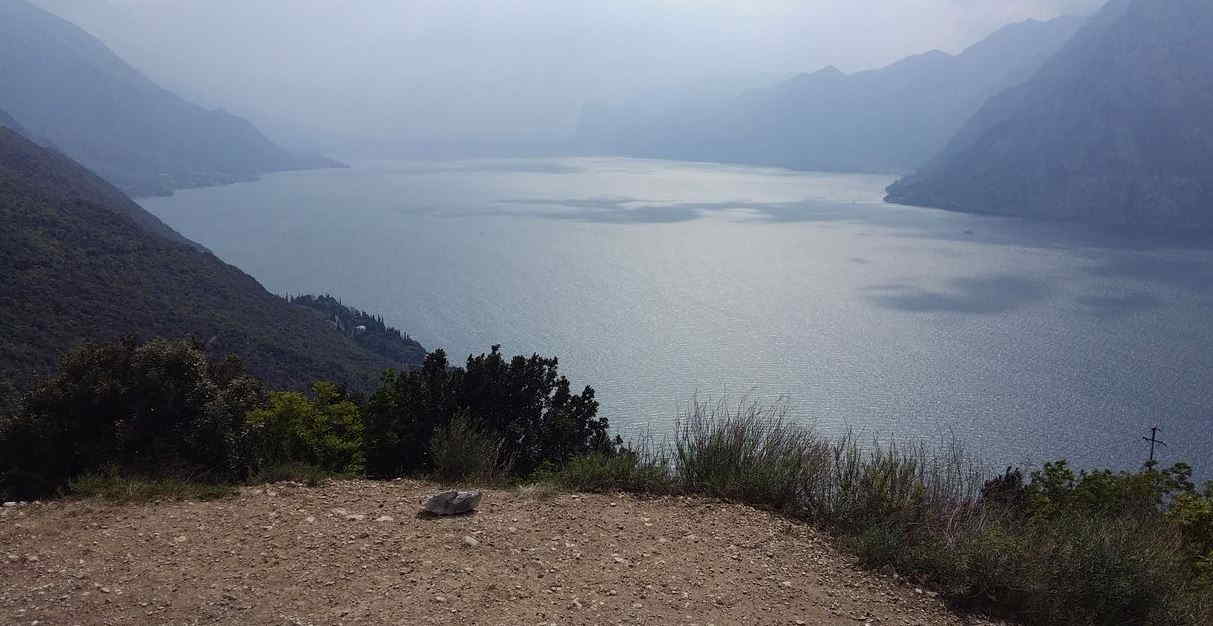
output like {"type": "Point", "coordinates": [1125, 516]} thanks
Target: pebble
{"type": "Point", "coordinates": [470, 541]}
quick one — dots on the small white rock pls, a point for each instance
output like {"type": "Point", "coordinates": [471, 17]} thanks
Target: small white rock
{"type": "Point", "coordinates": [470, 541]}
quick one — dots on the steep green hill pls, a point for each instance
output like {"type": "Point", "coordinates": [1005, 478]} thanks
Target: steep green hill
{"type": "Point", "coordinates": [1114, 129]}
{"type": "Point", "coordinates": [79, 261]}
{"type": "Point", "coordinates": [65, 87]}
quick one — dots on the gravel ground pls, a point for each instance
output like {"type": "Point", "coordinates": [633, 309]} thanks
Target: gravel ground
{"type": "Point", "coordinates": [358, 552]}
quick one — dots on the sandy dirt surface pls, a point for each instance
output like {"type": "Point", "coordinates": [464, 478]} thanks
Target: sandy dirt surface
{"type": "Point", "coordinates": [357, 552]}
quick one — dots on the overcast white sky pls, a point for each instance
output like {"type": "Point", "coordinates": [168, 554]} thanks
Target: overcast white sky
{"type": "Point", "coordinates": [412, 68]}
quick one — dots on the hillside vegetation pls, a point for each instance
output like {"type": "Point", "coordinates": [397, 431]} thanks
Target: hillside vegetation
{"type": "Point", "coordinates": [1053, 547]}
{"type": "Point", "coordinates": [79, 261]}
{"type": "Point", "coordinates": [366, 330]}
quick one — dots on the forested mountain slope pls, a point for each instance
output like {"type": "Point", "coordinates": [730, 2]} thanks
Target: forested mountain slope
{"type": "Point", "coordinates": [79, 261]}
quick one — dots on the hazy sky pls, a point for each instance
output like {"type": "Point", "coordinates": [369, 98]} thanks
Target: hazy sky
{"type": "Point", "coordinates": [415, 68]}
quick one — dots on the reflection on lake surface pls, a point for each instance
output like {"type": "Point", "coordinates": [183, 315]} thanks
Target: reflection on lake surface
{"type": "Point", "coordinates": [656, 280]}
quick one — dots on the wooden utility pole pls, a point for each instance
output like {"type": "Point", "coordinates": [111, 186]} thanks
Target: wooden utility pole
{"type": "Point", "coordinates": [1153, 439]}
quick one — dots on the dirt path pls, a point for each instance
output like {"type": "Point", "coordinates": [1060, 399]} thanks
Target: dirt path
{"type": "Point", "coordinates": [356, 552]}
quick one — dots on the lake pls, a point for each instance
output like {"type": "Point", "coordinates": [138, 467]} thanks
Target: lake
{"type": "Point", "coordinates": [655, 281]}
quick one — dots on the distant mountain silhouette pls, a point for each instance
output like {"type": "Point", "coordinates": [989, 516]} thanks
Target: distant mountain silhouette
{"type": "Point", "coordinates": [79, 261]}
{"type": "Point", "coordinates": [888, 120]}
{"type": "Point", "coordinates": [66, 88]}
{"type": "Point", "coordinates": [1116, 128]}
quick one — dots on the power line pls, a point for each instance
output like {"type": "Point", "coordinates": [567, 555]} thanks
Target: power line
{"type": "Point", "coordinates": [1153, 439]}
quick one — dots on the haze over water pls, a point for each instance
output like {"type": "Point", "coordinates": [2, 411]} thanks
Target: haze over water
{"type": "Point", "coordinates": [654, 281]}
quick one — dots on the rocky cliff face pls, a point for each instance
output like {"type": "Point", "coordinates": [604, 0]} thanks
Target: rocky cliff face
{"type": "Point", "coordinates": [1116, 128]}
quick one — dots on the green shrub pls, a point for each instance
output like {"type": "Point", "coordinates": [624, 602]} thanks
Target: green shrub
{"type": "Point", "coordinates": [1057, 490]}
{"type": "Point", "coordinates": [1192, 513]}
{"type": "Point", "coordinates": [324, 431]}
{"type": "Point", "coordinates": [11, 402]}
{"type": "Point", "coordinates": [627, 470]}
{"type": "Point", "coordinates": [523, 402]}
{"type": "Point", "coordinates": [463, 450]}
{"type": "Point", "coordinates": [28, 467]}
{"type": "Point", "coordinates": [159, 408]}
{"type": "Point", "coordinates": [403, 413]}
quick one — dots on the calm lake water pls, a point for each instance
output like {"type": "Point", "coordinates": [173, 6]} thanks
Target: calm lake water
{"type": "Point", "coordinates": [656, 281]}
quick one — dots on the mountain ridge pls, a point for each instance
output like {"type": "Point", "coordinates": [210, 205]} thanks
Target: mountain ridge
{"type": "Point", "coordinates": [890, 119]}
{"type": "Point", "coordinates": [67, 89]}
{"type": "Point", "coordinates": [1112, 129]}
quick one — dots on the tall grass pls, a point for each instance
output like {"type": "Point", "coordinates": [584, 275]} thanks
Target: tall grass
{"type": "Point", "coordinates": [918, 509]}
{"type": "Point", "coordinates": [463, 450]}
{"type": "Point", "coordinates": [308, 475]}
{"type": "Point", "coordinates": [638, 469]}
{"type": "Point", "coordinates": [748, 452]}
{"type": "Point", "coordinates": [133, 490]}
{"type": "Point", "coordinates": [753, 453]}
